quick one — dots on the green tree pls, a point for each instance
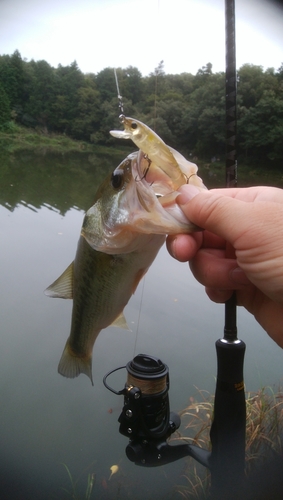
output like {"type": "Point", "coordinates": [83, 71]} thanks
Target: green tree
{"type": "Point", "coordinates": [250, 88]}
{"type": "Point", "coordinates": [5, 112]}
{"type": "Point", "coordinates": [59, 120]}
{"type": "Point", "coordinates": [109, 121]}
{"type": "Point", "coordinates": [203, 74]}
{"type": "Point", "coordinates": [155, 82]}
{"type": "Point", "coordinates": [186, 110]}
{"type": "Point", "coordinates": [203, 117]}
{"type": "Point", "coordinates": [132, 86]}
{"type": "Point", "coordinates": [89, 114]}
{"type": "Point", "coordinates": [181, 85]}
{"type": "Point", "coordinates": [261, 129]}
{"type": "Point", "coordinates": [279, 73]}
{"type": "Point", "coordinates": [69, 79]}
{"type": "Point", "coordinates": [39, 94]}
{"type": "Point", "coordinates": [11, 77]}
{"type": "Point", "coordinates": [171, 112]}
{"type": "Point", "coordinates": [106, 85]}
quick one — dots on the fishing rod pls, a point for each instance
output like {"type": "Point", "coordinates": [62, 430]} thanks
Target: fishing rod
{"type": "Point", "coordinates": [228, 430]}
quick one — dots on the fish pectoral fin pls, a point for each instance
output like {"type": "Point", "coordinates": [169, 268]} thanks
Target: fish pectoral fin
{"type": "Point", "coordinates": [62, 287]}
{"type": "Point", "coordinates": [71, 366]}
{"type": "Point", "coordinates": [121, 322]}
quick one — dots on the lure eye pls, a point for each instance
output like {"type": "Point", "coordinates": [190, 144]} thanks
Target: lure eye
{"type": "Point", "coordinates": [117, 179]}
{"type": "Point", "coordinates": [134, 125]}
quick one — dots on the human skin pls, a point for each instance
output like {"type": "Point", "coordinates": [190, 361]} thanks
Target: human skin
{"type": "Point", "coordinates": [240, 248]}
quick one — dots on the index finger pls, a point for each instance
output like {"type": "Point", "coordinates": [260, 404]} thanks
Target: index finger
{"type": "Point", "coordinates": [184, 247]}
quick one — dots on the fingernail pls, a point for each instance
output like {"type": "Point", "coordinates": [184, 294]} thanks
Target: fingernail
{"type": "Point", "coordinates": [186, 194]}
{"type": "Point", "coordinates": [238, 276]}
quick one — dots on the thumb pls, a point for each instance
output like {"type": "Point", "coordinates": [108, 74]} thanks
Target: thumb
{"type": "Point", "coordinates": [221, 214]}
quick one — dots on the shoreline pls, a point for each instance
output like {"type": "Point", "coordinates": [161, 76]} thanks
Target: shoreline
{"type": "Point", "coordinates": [21, 138]}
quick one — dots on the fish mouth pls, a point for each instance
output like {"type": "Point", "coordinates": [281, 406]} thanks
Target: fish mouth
{"type": "Point", "coordinates": [151, 197]}
{"type": "Point", "coordinates": [151, 175]}
{"type": "Point", "coordinates": [156, 181]}
{"type": "Point", "coordinates": [155, 208]}
{"type": "Point", "coordinates": [120, 134]}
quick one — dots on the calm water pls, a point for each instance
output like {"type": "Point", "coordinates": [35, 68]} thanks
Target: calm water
{"type": "Point", "coordinates": [47, 420]}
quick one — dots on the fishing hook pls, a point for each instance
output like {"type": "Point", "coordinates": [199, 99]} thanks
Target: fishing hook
{"type": "Point", "coordinates": [188, 178]}
{"type": "Point", "coordinates": [146, 170]}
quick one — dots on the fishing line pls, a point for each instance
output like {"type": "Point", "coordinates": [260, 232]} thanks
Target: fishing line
{"type": "Point", "coordinates": [155, 103]}
{"type": "Point", "coordinates": [120, 99]}
{"type": "Point", "coordinates": [157, 48]}
{"type": "Point", "coordinates": [139, 317]}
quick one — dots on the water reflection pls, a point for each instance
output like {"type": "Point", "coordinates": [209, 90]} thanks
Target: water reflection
{"type": "Point", "coordinates": [46, 419]}
{"type": "Point", "coordinates": [57, 181]}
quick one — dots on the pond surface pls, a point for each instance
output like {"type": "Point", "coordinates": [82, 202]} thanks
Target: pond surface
{"type": "Point", "coordinates": [48, 420]}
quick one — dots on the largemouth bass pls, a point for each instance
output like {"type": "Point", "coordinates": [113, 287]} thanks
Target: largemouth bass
{"type": "Point", "coordinates": [120, 237]}
{"type": "Point", "coordinates": [179, 170]}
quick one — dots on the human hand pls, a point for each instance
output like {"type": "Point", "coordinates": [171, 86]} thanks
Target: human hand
{"type": "Point", "coordinates": [241, 248]}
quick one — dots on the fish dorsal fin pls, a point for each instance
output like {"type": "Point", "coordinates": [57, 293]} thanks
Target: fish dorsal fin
{"type": "Point", "coordinates": [62, 287]}
{"type": "Point", "coordinates": [121, 322]}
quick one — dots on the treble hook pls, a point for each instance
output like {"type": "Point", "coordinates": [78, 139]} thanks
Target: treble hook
{"type": "Point", "coordinates": [188, 178]}
{"type": "Point", "coordinates": [145, 170]}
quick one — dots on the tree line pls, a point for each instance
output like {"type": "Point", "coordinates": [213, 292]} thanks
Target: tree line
{"type": "Point", "coordinates": [187, 111]}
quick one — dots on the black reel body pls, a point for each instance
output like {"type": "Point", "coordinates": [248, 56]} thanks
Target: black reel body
{"type": "Point", "coordinates": [146, 418]}
{"type": "Point", "coordinates": [146, 413]}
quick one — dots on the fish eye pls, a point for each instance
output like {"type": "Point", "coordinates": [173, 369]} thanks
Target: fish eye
{"type": "Point", "coordinates": [134, 125]}
{"type": "Point", "coordinates": [117, 179]}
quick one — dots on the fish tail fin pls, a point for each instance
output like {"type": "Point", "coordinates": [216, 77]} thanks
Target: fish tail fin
{"type": "Point", "coordinates": [71, 366]}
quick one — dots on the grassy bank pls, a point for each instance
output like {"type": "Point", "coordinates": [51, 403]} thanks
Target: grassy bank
{"type": "Point", "coordinates": [18, 138]}
{"type": "Point", "coordinates": [15, 138]}
{"type": "Point", "coordinates": [264, 437]}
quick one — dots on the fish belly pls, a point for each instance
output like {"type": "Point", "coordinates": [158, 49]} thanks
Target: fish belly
{"type": "Point", "coordinates": [103, 285]}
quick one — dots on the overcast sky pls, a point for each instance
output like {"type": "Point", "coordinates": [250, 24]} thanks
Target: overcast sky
{"type": "Point", "coordinates": [186, 34]}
